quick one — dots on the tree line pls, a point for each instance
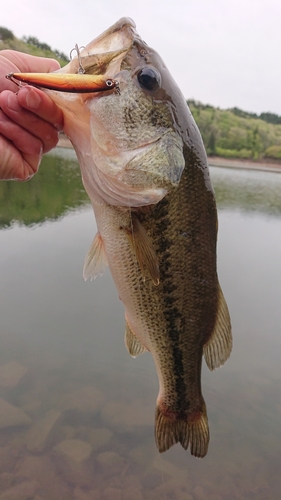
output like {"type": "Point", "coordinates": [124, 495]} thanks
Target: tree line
{"type": "Point", "coordinates": [30, 45]}
{"type": "Point", "coordinates": [233, 133]}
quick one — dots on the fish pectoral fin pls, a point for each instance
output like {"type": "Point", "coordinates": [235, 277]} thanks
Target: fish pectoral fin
{"type": "Point", "coordinates": [142, 246]}
{"type": "Point", "coordinates": [95, 260]}
{"type": "Point", "coordinates": [218, 348]}
{"type": "Point", "coordinates": [134, 346]}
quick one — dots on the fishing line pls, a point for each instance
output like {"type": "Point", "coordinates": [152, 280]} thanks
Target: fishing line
{"type": "Point", "coordinates": [164, 484]}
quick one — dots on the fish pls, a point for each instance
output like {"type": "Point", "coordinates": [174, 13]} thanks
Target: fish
{"type": "Point", "coordinates": [145, 169]}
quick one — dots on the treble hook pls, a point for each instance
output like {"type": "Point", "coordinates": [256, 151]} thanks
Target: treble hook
{"type": "Point", "coordinates": [11, 77]}
{"type": "Point", "coordinates": [81, 70]}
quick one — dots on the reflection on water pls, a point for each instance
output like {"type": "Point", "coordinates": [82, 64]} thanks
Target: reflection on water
{"type": "Point", "coordinates": [56, 188]}
{"type": "Point", "coordinates": [76, 411]}
{"type": "Point", "coordinates": [250, 191]}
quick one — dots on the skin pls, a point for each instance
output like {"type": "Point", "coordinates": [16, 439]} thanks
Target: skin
{"type": "Point", "coordinates": [29, 120]}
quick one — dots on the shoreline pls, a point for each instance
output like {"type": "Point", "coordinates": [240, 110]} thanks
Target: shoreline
{"type": "Point", "coordinates": [215, 161]}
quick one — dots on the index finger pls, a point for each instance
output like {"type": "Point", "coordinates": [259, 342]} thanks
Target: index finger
{"type": "Point", "coordinates": [42, 105]}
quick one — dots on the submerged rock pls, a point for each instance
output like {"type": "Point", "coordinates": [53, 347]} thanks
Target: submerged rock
{"type": "Point", "coordinates": [171, 489]}
{"type": "Point", "coordinates": [9, 456]}
{"type": "Point", "coordinates": [22, 491]}
{"type": "Point", "coordinates": [129, 493]}
{"type": "Point", "coordinates": [125, 487]}
{"type": "Point", "coordinates": [110, 458]}
{"type": "Point", "coordinates": [178, 475]}
{"type": "Point", "coordinates": [81, 494]}
{"type": "Point", "coordinates": [11, 416]}
{"type": "Point", "coordinates": [72, 460]}
{"type": "Point", "coordinates": [41, 468]}
{"type": "Point", "coordinates": [11, 374]}
{"type": "Point", "coordinates": [99, 437]}
{"type": "Point", "coordinates": [40, 434]}
{"type": "Point", "coordinates": [124, 417]}
{"type": "Point", "coordinates": [32, 407]}
{"type": "Point", "coordinates": [67, 432]}
{"type": "Point", "coordinates": [7, 479]}
{"type": "Point", "coordinates": [86, 399]}
{"type": "Point", "coordinates": [74, 451]}
{"type": "Point", "coordinates": [143, 454]}
{"type": "Point", "coordinates": [110, 493]}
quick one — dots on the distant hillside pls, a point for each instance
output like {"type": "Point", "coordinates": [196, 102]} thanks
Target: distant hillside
{"type": "Point", "coordinates": [30, 45]}
{"type": "Point", "coordinates": [234, 133]}
{"type": "Point", "coordinates": [230, 133]}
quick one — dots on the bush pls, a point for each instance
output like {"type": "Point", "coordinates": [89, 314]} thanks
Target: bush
{"type": "Point", "coordinates": [273, 152]}
{"type": "Point", "coordinates": [234, 153]}
{"type": "Point", "coordinates": [5, 34]}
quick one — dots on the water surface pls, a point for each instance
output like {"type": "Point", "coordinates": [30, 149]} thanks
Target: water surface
{"type": "Point", "coordinates": [85, 421]}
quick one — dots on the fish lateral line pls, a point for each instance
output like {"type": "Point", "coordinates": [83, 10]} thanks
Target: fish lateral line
{"type": "Point", "coordinates": [72, 83]}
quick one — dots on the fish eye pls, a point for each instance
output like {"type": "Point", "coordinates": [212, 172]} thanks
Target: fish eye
{"type": "Point", "coordinates": [149, 78]}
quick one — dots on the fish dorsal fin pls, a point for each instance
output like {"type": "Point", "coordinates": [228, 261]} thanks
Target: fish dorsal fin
{"type": "Point", "coordinates": [218, 348]}
{"type": "Point", "coordinates": [143, 248]}
{"type": "Point", "coordinates": [134, 346]}
{"type": "Point", "coordinates": [95, 260]}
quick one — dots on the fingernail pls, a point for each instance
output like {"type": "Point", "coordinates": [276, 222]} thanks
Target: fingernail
{"type": "Point", "coordinates": [58, 127]}
{"type": "Point", "coordinates": [32, 99]}
{"type": "Point", "coordinates": [13, 102]}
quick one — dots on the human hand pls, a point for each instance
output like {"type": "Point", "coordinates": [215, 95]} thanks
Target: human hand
{"type": "Point", "coordinates": [29, 119]}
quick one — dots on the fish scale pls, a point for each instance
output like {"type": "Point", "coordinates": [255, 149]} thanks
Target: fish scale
{"type": "Point", "coordinates": [169, 335]}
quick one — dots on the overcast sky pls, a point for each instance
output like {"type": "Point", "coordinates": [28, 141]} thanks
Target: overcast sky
{"type": "Point", "coordinates": [223, 52]}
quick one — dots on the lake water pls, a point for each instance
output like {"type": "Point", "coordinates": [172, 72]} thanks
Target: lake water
{"type": "Point", "coordinates": [76, 411]}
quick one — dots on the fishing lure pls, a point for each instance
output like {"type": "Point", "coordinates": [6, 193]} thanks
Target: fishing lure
{"type": "Point", "coordinates": [75, 83]}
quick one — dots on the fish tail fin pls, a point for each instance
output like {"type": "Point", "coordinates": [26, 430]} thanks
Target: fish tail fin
{"type": "Point", "coordinates": [191, 432]}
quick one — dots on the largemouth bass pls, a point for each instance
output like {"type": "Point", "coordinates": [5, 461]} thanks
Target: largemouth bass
{"type": "Point", "coordinates": [145, 170]}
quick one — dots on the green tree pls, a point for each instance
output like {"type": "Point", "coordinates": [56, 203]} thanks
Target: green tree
{"type": "Point", "coordinates": [211, 146]}
{"type": "Point", "coordinates": [270, 118]}
{"type": "Point", "coordinates": [6, 34]}
{"type": "Point", "coordinates": [237, 134]}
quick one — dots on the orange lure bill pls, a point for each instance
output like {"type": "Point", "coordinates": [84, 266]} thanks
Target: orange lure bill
{"type": "Point", "coordinates": [76, 83]}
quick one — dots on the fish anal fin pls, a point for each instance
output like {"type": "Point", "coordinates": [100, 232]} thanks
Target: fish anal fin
{"type": "Point", "coordinates": [142, 246]}
{"type": "Point", "coordinates": [218, 348]}
{"type": "Point", "coordinates": [95, 260]}
{"type": "Point", "coordinates": [134, 346]}
{"type": "Point", "coordinates": [191, 432]}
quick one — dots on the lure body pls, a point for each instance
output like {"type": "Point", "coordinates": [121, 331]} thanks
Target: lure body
{"type": "Point", "coordinates": [76, 83]}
